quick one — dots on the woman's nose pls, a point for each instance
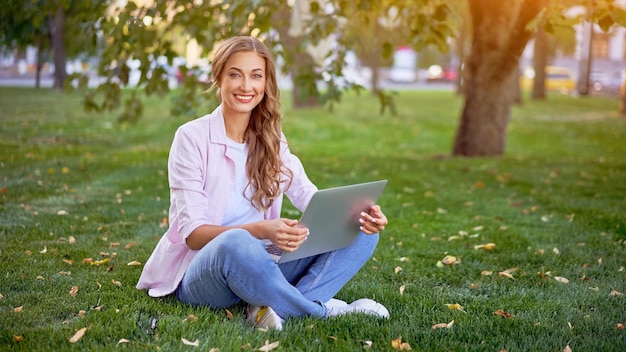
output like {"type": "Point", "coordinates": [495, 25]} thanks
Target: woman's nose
{"type": "Point", "coordinates": [245, 84]}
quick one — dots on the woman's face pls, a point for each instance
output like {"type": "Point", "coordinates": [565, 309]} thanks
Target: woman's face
{"type": "Point", "coordinates": [242, 85]}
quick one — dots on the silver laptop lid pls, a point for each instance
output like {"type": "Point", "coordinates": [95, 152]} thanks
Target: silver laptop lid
{"type": "Point", "coordinates": [332, 218]}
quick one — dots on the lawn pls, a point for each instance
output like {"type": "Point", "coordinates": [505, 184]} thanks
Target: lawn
{"type": "Point", "coordinates": [520, 252]}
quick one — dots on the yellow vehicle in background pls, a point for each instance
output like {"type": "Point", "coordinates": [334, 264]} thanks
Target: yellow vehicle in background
{"type": "Point", "coordinates": [559, 79]}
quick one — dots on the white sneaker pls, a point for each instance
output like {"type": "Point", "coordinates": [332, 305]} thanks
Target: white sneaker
{"type": "Point", "coordinates": [335, 303]}
{"type": "Point", "coordinates": [263, 318]}
{"type": "Point", "coordinates": [363, 305]}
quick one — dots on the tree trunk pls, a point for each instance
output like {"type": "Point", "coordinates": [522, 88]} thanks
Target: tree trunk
{"type": "Point", "coordinates": [375, 78]}
{"type": "Point", "coordinates": [540, 61]}
{"type": "Point", "coordinates": [515, 85]}
{"type": "Point", "coordinates": [57, 23]}
{"type": "Point", "coordinates": [302, 62]}
{"type": "Point", "coordinates": [39, 59]}
{"type": "Point", "coordinates": [499, 38]}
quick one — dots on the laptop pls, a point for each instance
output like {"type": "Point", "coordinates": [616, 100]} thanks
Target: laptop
{"type": "Point", "coordinates": [332, 218]}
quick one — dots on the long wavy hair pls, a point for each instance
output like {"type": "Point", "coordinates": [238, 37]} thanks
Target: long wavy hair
{"type": "Point", "coordinates": [264, 166]}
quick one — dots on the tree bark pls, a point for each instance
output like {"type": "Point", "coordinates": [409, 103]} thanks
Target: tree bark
{"type": "Point", "coordinates": [303, 96]}
{"type": "Point", "coordinates": [540, 61]}
{"type": "Point", "coordinates": [57, 24]}
{"type": "Point", "coordinates": [499, 38]}
{"type": "Point", "coordinates": [39, 60]}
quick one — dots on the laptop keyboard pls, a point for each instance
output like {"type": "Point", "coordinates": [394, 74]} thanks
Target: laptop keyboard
{"type": "Point", "coordinates": [273, 250]}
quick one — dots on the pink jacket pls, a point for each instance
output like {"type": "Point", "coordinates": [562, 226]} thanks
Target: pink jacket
{"type": "Point", "coordinates": [201, 180]}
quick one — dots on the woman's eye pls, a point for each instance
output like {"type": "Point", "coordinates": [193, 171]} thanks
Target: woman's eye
{"type": "Point", "coordinates": [234, 74]}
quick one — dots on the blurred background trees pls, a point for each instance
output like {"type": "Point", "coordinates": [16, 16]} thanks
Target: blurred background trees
{"type": "Point", "coordinates": [157, 45]}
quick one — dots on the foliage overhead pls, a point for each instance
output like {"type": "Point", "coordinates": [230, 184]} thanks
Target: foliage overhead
{"type": "Point", "coordinates": [163, 29]}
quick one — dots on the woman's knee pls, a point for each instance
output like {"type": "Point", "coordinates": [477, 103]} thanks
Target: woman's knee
{"type": "Point", "coordinates": [234, 244]}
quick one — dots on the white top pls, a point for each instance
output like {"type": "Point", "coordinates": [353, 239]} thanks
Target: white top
{"type": "Point", "coordinates": [239, 209]}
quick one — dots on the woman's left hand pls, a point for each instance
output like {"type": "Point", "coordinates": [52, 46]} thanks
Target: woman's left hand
{"type": "Point", "coordinates": [374, 221]}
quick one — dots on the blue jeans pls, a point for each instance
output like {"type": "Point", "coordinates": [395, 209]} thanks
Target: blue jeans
{"type": "Point", "coordinates": [235, 266]}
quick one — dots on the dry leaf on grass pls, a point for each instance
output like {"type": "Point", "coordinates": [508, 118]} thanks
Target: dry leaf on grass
{"type": "Point", "coordinates": [18, 309]}
{"type": "Point", "coordinates": [18, 338]}
{"type": "Point", "coordinates": [116, 283]}
{"type": "Point", "coordinates": [488, 246]}
{"type": "Point", "coordinates": [397, 344]}
{"type": "Point", "coordinates": [442, 325]}
{"type": "Point", "coordinates": [122, 341]}
{"type": "Point", "coordinates": [189, 343]}
{"type": "Point", "coordinates": [615, 293]}
{"type": "Point", "coordinates": [402, 289]}
{"type": "Point", "coordinates": [455, 306]}
{"type": "Point", "coordinates": [449, 260]}
{"type": "Point", "coordinates": [561, 279]}
{"type": "Point", "coordinates": [397, 269]}
{"type": "Point", "coordinates": [190, 317]}
{"type": "Point", "coordinates": [134, 263]}
{"type": "Point", "coordinates": [73, 291]}
{"type": "Point", "coordinates": [229, 314]}
{"type": "Point", "coordinates": [268, 346]}
{"type": "Point", "coordinates": [502, 313]}
{"type": "Point", "coordinates": [99, 262]}
{"type": "Point", "coordinates": [78, 335]}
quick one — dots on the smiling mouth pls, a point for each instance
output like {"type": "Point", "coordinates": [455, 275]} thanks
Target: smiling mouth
{"type": "Point", "coordinates": [244, 98]}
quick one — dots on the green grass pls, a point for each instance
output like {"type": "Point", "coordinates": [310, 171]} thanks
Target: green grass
{"type": "Point", "coordinates": [76, 185]}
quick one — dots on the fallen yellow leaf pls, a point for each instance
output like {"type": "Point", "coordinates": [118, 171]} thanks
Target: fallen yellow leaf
{"type": "Point", "coordinates": [116, 283]}
{"type": "Point", "coordinates": [189, 343]}
{"type": "Point", "coordinates": [561, 279]}
{"type": "Point", "coordinates": [73, 291]}
{"type": "Point", "coordinates": [402, 289]}
{"type": "Point", "coordinates": [18, 309]}
{"type": "Point", "coordinates": [18, 338]}
{"type": "Point", "coordinates": [399, 345]}
{"type": "Point", "coordinates": [123, 341]}
{"type": "Point", "coordinates": [100, 262]}
{"type": "Point", "coordinates": [455, 306]}
{"type": "Point", "coordinates": [451, 260]}
{"type": "Point", "coordinates": [615, 293]}
{"type": "Point", "coordinates": [397, 269]}
{"type": "Point", "coordinates": [488, 247]}
{"type": "Point", "coordinates": [505, 274]}
{"type": "Point", "coordinates": [134, 263]}
{"type": "Point", "coordinates": [442, 325]}
{"type": "Point", "coordinates": [269, 346]}
{"type": "Point", "coordinates": [78, 335]}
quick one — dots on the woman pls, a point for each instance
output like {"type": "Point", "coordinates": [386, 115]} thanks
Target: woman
{"type": "Point", "coordinates": [227, 173]}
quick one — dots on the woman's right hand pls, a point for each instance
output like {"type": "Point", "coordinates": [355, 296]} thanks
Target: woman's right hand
{"type": "Point", "coordinates": [284, 233]}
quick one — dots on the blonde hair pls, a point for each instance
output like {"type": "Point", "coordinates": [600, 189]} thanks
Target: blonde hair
{"type": "Point", "coordinates": [264, 166]}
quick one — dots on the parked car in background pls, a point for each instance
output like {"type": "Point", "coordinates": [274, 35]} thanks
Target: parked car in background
{"type": "Point", "coordinates": [560, 79]}
{"type": "Point", "coordinates": [601, 82]}
{"type": "Point", "coordinates": [404, 65]}
{"type": "Point", "coordinates": [438, 73]}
